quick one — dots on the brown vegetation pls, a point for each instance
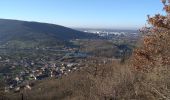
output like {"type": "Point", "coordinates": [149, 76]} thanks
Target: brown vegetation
{"type": "Point", "coordinates": [148, 79]}
{"type": "Point", "coordinates": [94, 82]}
{"type": "Point", "coordinates": [156, 46]}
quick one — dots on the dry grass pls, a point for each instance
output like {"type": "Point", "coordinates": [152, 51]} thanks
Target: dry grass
{"type": "Point", "coordinates": [146, 78]}
{"type": "Point", "coordinates": [95, 82]}
{"type": "Point", "coordinates": [103, 81]}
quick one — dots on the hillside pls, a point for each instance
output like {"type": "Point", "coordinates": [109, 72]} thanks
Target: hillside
{"type": "Point", "coordinates": [145, 76]}
{"type": "Point", "coordinates": [15, 32]}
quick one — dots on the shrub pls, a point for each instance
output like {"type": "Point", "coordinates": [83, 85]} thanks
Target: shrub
{"type": "Point", "coordinates": [155, 50]}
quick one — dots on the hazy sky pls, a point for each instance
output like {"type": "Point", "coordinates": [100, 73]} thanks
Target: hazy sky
{"type": "Point", "coordinates": [82, 13]}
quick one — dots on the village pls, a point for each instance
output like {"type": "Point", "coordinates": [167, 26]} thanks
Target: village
{"type": "Point", "coordinates": [19, 72]}
{"type": "Point", "coordinates": [21, 67]}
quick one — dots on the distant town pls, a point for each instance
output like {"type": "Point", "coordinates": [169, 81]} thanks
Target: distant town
{"type": "Point", "coordinates": [21, 66]}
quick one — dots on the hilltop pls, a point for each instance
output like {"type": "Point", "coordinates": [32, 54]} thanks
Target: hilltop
{"type": "Point", "coordinates": [22, 33]}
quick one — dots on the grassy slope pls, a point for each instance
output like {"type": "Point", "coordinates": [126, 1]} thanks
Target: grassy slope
{"type": "Point", "coordinates": [100, 81]}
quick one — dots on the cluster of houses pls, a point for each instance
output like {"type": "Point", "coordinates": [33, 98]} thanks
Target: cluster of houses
{"type": "Point", "coordinates": [21, 73]}
{"type": "Point", "coordinates": [31, 71]}
{"type": "Point", "coordinates": [24, 77]}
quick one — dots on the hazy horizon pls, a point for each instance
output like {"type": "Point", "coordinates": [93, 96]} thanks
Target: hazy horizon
{"type": "Point", "coordinates": [105, 14]}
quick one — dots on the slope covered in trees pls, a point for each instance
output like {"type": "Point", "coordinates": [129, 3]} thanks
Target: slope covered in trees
{"type": "Point", "coordinates": [146, 77]}
{"type": "Point", "coordinates": [19, 33]}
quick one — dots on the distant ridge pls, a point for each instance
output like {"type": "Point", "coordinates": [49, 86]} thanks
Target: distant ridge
{"type": "Point", "coordinates": [22, 31]}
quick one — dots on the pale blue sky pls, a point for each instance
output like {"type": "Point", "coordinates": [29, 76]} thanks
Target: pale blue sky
{"type": "Point", "coordinates": [82, 13]}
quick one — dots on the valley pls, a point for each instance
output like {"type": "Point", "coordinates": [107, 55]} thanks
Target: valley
{"type": "Point", "coordinates": [24, 61]}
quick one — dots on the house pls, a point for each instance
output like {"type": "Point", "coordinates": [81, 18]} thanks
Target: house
{"type": "Point", "coordinates": [17, 89]}
{"type": "Point", "coordinates": [17, 79]}
{"type": "Point", "coordinates": [42, 77]}
{"type": "Point", "coordinates": [6, 89]}
{"type": "Point", "coordinates": [27, 87]}
{"type": "Point", "coordinates": [32, 77]}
